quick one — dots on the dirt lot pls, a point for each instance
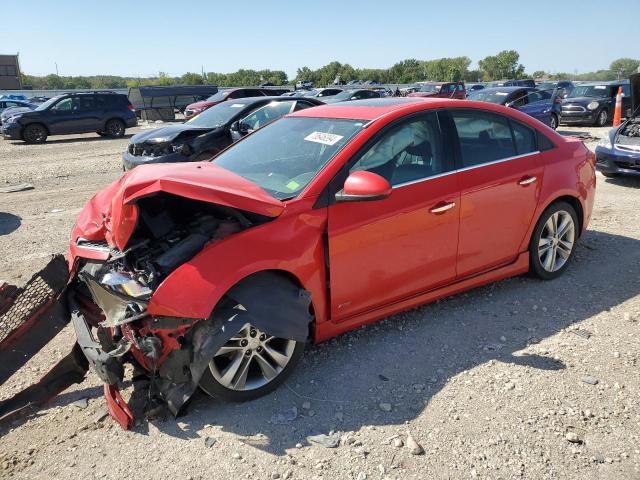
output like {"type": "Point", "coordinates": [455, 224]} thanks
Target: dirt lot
{"type": "Point", "coordinates": [520, 379]}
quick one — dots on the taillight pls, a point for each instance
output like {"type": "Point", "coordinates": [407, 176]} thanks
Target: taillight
{"type": "Point", "coordinates": [557, 100]}
{"type": "Point", "coordinates": [130, 107]}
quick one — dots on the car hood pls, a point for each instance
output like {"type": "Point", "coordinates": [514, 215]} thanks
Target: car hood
{"type": "Point", "coordinates": [169, 133]}
{"type": "Point", "coordinates": [583, 100]}
{"type": "Point", "coordinates": [12, 111]}
{"type": "Point", "coordinates": [111, 214]}
{"type": "Point", "coordinates": [200, 105]}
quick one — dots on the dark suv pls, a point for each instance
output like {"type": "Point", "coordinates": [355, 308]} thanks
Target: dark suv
{"type": "Point", "coordinates": [594, 103]}
{"type": "Point", "coordinates": [106, 113]}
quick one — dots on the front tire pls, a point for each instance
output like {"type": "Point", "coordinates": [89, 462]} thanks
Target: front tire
{"type": "Point", "coordinates": [602, 118]}
{"type": "Point", "coordinates": [553, 241]}
{"type": "Point", "coordinates": [251, 364]}
{"type": "Point", "coordinates": [553, 123]}
{"type": "Point", "coordinates": [34, 133]}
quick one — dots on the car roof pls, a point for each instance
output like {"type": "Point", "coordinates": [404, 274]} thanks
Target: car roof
{"type": "Point", "coordinates": [368, 109]}
{"type": "Point", "coordinates": [266, 99]}
{"type": "Point", "coordinates": [506, 89]}
{"type": "Point", "coordinates": [610, 82]}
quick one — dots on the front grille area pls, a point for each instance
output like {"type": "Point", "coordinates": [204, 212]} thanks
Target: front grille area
{"type": "Point", "coordinates": [141, 149]}
{"type": "Point", "coordinates": [573, 108]}
{"type": "Point", "coordinates": [627, 165]}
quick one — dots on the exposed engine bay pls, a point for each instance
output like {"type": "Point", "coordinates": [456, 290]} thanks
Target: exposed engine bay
{"type": "Point", "coordinates": [106, 301]}
{"type": "Point", "coordinates": [629, 134]}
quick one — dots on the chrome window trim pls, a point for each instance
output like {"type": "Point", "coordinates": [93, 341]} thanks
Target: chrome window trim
{"type": "Point", "coordinates": [480, 165]}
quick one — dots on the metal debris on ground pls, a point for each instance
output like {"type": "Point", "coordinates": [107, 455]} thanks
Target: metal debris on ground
{"type": "Point", "coordinates": [332, 440]}
{"type": "Point", "coordinates": [20, 187]}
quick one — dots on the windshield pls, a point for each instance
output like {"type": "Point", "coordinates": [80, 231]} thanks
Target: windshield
{"type": "Point", "coordinates": [218, 97]}
{"type": "Point", "coordinates": [285, 156]}
{"type": "Point", "coordinates": [429, 88]}
{"type": "Point", "coordinates": [595, 91]}
{"type": "Point", "coordinates": [490, 96]}
{"type": "Point", "coordinates": [217, 115]}
{"type": "Point", "coordinates": [47, 104]}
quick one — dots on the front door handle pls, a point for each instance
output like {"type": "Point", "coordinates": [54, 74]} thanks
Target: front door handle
{"type": "Point", "coordinates": [527, 181]}
{"type": "Point", "coordinates": [443, 207]}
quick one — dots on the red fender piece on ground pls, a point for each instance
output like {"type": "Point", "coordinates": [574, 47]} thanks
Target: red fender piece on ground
{"type": "Point", "coordinates": [118, 408]}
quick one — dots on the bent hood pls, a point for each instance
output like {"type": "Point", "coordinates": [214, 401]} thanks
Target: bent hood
{"type": "Point", "coordinates": [634, 81]}
{"type": "Point", "coordinates": [169, 133]}
{"type": "Point", "coordinates": [111, 214]}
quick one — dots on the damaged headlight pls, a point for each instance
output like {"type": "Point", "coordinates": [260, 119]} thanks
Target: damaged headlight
{"type": "Point", "coordinates": [605, 142]}
{"type": "Point", "coordinates": [593, 105]}
{"type": "Point", "coordinates": [184, 149]}
{"type": "Point", "coordinates": [124, 285]}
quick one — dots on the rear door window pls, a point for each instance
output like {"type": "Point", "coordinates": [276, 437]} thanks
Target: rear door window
{"type": "Point", "coordinates": [483, 137]}
{"type": "Point", "coordinates": [87, 103]}
{"type": "Point", "coordinates": [525, 138]}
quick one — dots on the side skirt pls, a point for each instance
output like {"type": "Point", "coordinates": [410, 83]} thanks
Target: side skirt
{"type": "Point", "coordinates": [327, 330]}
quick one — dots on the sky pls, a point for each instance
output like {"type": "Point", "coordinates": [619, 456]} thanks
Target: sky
{"type": "Point", "coordinates": [142, 38]}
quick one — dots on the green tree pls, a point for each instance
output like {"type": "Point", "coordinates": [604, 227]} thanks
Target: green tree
{"type": "Point", "coordinates": [539, 74]}
{"type": "Point", "coordinates": [624, 67]}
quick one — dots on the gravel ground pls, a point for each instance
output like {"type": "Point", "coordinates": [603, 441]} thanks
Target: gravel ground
{"type": "Point", "coordinates": [519, 379]}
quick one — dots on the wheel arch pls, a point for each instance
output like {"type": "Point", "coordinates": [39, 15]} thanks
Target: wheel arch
{"type": "Point", "coordinates": [115, 118]}
{"type": "Point", "coordinates": [42, 124]}
{"type": "Point", "coordinates": [281, 295]}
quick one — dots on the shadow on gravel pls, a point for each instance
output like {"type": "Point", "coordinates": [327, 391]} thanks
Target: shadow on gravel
{"type": "Point", "coordinates": [9, 223]}
{"type": "Point", "coordinates": [407, 359]}
{"type": "Point", "coordinates": [622, 181]}
{"type": "Point", "coordinates": [97, 138]}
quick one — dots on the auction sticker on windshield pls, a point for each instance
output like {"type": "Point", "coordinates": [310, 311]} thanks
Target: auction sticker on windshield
{"type": "Point", "coordinates": [237, 105]}
{"type": "Point", "coordinates": [324, 138]}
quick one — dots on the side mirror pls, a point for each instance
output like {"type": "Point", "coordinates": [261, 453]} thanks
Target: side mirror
{"type": "Point", "coordinates": [363, 186]}
{"type": "Point", "coordinates": [240, 127]}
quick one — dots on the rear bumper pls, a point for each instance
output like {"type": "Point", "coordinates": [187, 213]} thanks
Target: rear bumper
{"type": "Point", "coordinates": [616, 162]}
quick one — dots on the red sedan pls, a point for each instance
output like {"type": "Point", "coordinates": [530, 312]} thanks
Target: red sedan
{"type": "Point", "coordinates": [217, 274]}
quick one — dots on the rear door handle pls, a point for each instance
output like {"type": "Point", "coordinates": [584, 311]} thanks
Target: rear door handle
{"type": "Point", "coordinates": [443, 207]}
{"type": "Point", "coordinates": [527, 181]}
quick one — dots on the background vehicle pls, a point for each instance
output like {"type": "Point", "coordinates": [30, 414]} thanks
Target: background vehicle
{"type": "Point", "coordinates": [222, 96]}
{"type": "Point", "coordinates": [541, 105]}
{"type": "Point", "coordinates": [354, 83]}
{"type": "Point", "coordinates": [303, 84]}
{"type": "Point", "coordinates": [472, 87]}
{"type": "Point", "coordinates": [106, 113]}
{"type": "Point", "coordinates": [619, 152]}
{"type": "Point", "coordinates": [40, 99]}
{"type": "Point", "coordinates": [441, 90]}
{"type": "Point", "coordinates": [354, 94]}
{"type": "Point", "coordinates": [299, 216]}
{"type": "Point", "coordinates": [321, 92]}
{"type": "Point", "coordinates": [213, 130]}
{"type": "Point", "coordinates": [563, 87]}
{"type": "Point", "coordinates": [516, 83]}
{"type": "Point", "coordinates": [12, 107]}
{"type": "Point", "coordinates": [593, 103]}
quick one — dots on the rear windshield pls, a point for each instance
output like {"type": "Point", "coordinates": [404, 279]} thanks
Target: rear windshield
{"type": "Point", "coordinates": [218, 97]}
{"type": "Point", "coordinates": [490, 96]}
{"type": "Point", "coordinates": [283, 157]}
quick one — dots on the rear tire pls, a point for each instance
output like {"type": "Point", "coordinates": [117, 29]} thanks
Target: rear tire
{"type": "Point", "coordinates": [34, 133]}
{"type": "Point", "coordinates": [115, 128]}
{"type": "Point", "coordinates": [553, 241]}
{"type": "Point", "coordinates": [553, 123]}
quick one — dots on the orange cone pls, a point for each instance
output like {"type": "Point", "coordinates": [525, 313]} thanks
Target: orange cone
{"type": "Point", "coordinates": [617, 114]}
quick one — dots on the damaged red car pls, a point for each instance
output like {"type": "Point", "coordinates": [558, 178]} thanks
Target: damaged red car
{"type": "Point", "coordinates": [215, 275]}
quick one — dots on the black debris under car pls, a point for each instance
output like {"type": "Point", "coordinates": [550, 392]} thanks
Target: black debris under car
{"type": "Point", "coordinates": [208, 133]}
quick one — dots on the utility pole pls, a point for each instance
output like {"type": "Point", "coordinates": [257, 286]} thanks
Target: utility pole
{"type": "Point", "coordinates": [56, 64]}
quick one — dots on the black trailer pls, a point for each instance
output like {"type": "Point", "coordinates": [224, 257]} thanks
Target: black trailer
{"type": "Point", "coordinates": [161, 103]}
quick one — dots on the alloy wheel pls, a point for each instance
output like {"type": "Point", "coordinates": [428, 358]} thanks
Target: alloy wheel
{"type": "Point", "coordinates": [115, 129]}
{"type": "Point", "coordinates": [602, 118]}
{"type": "Point", "coordinates": [557, 239]}
{"type": "Point", "coordinates": [251, 359]}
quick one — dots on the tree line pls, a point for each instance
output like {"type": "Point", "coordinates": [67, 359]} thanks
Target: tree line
{"type": "Point", "coordinates": [503, 65]}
